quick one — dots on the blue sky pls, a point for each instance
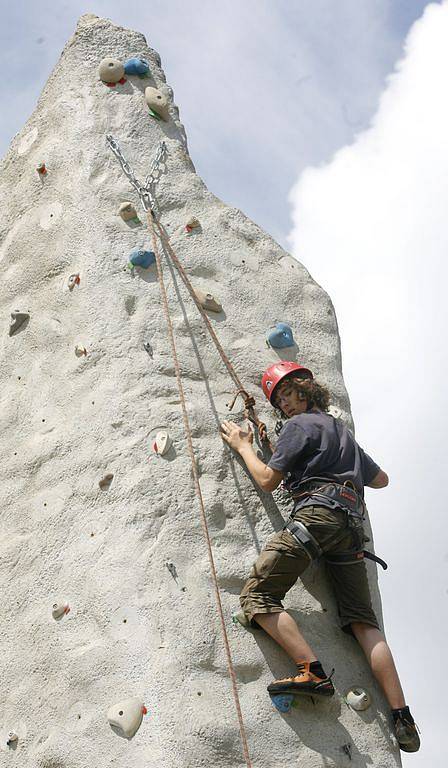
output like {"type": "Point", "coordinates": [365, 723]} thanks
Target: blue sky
{"type": "Point", "coordinates": [297, 113]}
{"type": "Point", "coordinates": [264, 88]}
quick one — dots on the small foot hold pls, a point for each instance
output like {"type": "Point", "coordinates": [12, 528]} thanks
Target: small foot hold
{"type": "Point", "coordinates": [17, 320]}
{"type": "Point", "coordinates": [358, 698]}
{"type": "Point", "coordinates": [105, 482]}
{"type": "Point", "coordinates": [283, 702]}
{"type": "Point", "coordinates": [12, 738]}
{"type": "Point", "coordinates": [59, 610]}
{"type": "Point", "coordinates": [127, 716]}
{"type": "Point", "coordinates": [73, 280]}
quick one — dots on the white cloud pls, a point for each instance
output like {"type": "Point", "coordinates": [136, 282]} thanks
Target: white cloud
{"type": "Point", "coordinates": [372, 228]}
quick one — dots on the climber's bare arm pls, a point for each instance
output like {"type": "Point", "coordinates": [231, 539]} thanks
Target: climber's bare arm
{"type": "Point", "coordinates": [268, 479]}
{"type": "Point", "coordinates": [379, 481]}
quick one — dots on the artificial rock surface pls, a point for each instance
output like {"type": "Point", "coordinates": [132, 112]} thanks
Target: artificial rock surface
{"type": "Point", "coordinates": [138, 628]}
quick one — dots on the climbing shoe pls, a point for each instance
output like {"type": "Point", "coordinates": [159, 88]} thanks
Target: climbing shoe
{"type": "Point", "coordinates": [406, 730]}
{"type": "Point", "coordinates": [310, 680]}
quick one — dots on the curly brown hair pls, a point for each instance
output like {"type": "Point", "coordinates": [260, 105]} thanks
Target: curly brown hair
{"type": "Point", "coordinates": [317, 395]}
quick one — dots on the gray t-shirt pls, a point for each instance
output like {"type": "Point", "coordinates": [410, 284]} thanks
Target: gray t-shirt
{"type": "Point", "coordinates": [314, 444]}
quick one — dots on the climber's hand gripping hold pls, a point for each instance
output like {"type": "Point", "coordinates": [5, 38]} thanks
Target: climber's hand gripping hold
{"type": "Point", "coordinates": [235, 436]}
{"type": "Point", "coordinates": [267, 478]}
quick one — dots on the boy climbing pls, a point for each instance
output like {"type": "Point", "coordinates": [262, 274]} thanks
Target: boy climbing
{"type": "Point", "coordinates": [325, 471]}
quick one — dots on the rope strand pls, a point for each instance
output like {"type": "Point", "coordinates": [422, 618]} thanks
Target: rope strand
{"type": "Point", "coordinates": [196, 474]}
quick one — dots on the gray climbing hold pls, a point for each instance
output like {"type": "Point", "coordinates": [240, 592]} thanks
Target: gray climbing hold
{"type": "Point", "coordinates": [127, 211]}
{"type": "Point", "coordinates": [148, 348]}
{"type": "Point", "coordinates": [157, 102]}
{"type": "Point", "coordinates": [17, 320]}
{"type": "Point", "coordinates": [172, 569]}
{"type": "Point", "coordinates": [59, 610]}
{"type": "Point", "coordinates": [335, 411]}
{"type": "Point", "coordinates": [347, 748]}
{"type": "Point", "coordinates": [111, 71]}
{"type": "Point", "coordinates": [127, 716]}
{"type": "Point", "coordinates": [358, 698]}
{"type": "Point", "coordinates": [80, 350]}
{"type": "Point", "coordinates": [12, 738]}
{"type": "Point", "coordinates": [105, 482]}
{"type": "Point", "coordinates": [162, 443]}
{"type": "Point", "coordinates": [208, 301]}
{"type": "Point", "coordinates": [73, 280]}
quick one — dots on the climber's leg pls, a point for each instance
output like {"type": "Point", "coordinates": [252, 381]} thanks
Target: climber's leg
{"type": "Point", "coordinates": [284, 630]}
{"type": "Point", "coordinates": [380, 658]}
{"type": "Point", "coordinates": [275, 571]}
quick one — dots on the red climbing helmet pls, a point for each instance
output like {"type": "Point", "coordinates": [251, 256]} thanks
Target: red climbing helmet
{"type": "Point", "coordinates": [279, 371]}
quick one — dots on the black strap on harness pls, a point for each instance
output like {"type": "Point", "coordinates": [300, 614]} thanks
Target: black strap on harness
{"type": "Point", "coordinates": [349, 558]}
{"type": "Point", "coordinates": [304, 537]}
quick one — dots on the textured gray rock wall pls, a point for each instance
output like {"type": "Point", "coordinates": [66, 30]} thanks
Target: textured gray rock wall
{"type": "Point", "coordinates": [66, 421]}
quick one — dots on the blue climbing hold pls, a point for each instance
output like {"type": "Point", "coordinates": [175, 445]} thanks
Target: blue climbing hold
{"type": "Point", "coordinates": [141, 259]}
{"type": "Point", "coordinates": [136, 66]}
{"type": "Point", "coordinates": [280, 336]}
{"type": "Point", "coordinates": [283, 702]}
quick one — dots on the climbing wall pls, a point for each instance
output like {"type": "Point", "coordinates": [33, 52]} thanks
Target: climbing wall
{"type": "Point", "coordinates": [112, 650]}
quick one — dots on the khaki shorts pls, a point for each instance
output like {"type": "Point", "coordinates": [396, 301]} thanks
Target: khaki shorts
{"type": "Point", "coordinates": [283, 560]}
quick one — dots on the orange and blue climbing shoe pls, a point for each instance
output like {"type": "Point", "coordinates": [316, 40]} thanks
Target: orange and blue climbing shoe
{"type": "Point", "coordinates": [310, 680]}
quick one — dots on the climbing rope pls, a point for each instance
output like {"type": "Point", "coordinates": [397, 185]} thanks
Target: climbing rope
{"type": "Point", "coordinates": [249, 402]}
{"type": "Point", "coordinates": [198, 487]}
{"type": "Point", "coordinates": [146, 195]}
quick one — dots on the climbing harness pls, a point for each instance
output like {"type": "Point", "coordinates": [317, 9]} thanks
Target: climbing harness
{"type": "Point", "coordinates": [146, 194]}
{"type": "Point", "coordinates": [335, 496]}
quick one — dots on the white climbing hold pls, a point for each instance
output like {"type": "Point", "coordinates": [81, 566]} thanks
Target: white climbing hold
{"type": "Point", "coordinates": [80, 350]}
{"type": "Point", "coordinates": [127, 211]}
{"type": "Point", "coordinates": [127, 716]}
{"type": "Point", "coordinates": [192, 223]}
{"type": "Point", "coordinates": [12, 738]}
{"type": "Point", "coordinates": [335, 411]}
{"type": "Point", "coordinates": [74, 280]}
{"type": "Point", "coordinates": [162, 443]}
{"type": "Point", "coordinates": [111, 71]}
{"type": "Point", "coordinates": [59, 610]}
{"type": "Point", "coordinates": [358, 698]}
{"type": "Point", "coordinates": [17, 320]}
{"type": "Point", "coordinates": [208, 301]}
{"type": "Point", "coordinates": [105, 482]}
{"type": "Point", "coordinates": [27, 142]}
{"type": "Point", "coordinates": [157, 102]}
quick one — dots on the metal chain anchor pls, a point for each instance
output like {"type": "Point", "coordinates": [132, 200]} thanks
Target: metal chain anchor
{"type": "Point", "coordinates": [146, 191]}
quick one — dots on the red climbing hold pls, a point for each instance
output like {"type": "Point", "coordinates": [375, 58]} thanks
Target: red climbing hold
{"type": "Point", "coordinates": [154, 447]}
{"type": "Point", "coordinates": [144, 710]}
{"type": "Point", "coordinates": [41, 169]}
{"type": "Point", "coordinates": [111, 85]}
{"type": "Point", "coordinates": [123, 80]}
